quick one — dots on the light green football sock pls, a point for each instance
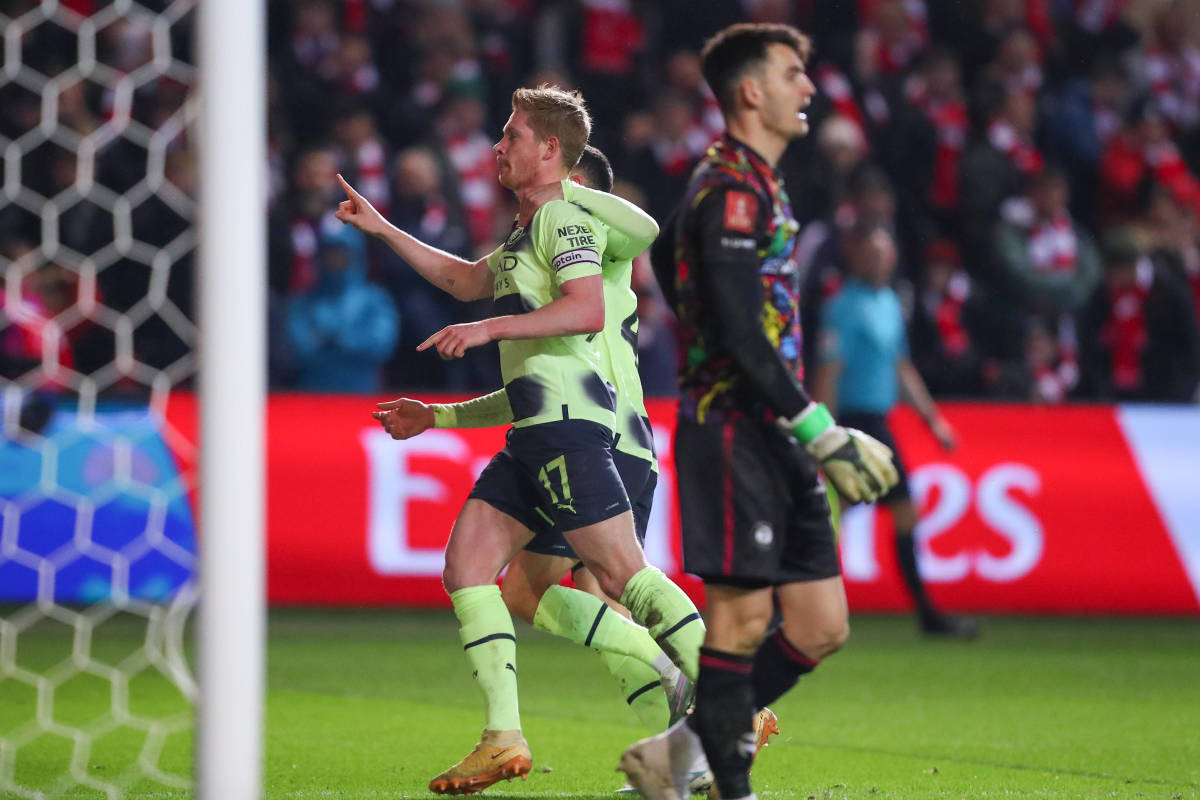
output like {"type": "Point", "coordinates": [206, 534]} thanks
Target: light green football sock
{"type": "Point", "coordinates": [669, 615]}
{"type": "Point", "coordinates": [641, 689]}
{"type": "Point", "coordinates": [587, 620]}
{"type": "Point", "coordinates": [487, 635]}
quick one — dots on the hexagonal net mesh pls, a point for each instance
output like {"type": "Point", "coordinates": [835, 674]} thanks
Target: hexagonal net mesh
{"type": "Point", "coordinates": [97, 544]}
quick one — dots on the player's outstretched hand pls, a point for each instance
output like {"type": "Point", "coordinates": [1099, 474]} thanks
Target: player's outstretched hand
{"type": "Point", "coordinates": [454, 341]}
{"type": "Point", "coordinates": [357, 211]}
{"type": "Point", "coordinates": [404, 418]}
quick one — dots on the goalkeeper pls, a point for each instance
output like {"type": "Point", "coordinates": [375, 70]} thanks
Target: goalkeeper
{"type": "Point", "coordinates": [530, 586]}
{"type": "Point", "coordinates": [749, 441]}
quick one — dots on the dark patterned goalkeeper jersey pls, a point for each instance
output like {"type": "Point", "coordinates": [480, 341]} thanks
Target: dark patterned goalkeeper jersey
{"type": "Point", "coordinates": [727, 265]}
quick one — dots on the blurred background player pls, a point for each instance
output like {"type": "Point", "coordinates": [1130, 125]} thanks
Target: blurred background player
{"type": "Point", "coordinates": [863, 367]}
{"type": "Point", "coordinates": [558, 455]}
{"type": "Point", "coordinates": [756, 525]}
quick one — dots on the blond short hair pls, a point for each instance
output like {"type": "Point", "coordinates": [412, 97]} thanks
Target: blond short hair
{"type": "Point", "coordinates": [559, 113]}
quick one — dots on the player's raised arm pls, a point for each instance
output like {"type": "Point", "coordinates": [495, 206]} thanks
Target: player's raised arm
{"type": "Point", "coordinates": [463, 279]}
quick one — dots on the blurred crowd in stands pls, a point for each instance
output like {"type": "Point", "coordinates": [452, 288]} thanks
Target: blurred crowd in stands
{"type": "Point", "coordinates": [1035, 162]}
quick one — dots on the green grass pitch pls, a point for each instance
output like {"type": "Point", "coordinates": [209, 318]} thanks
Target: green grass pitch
{"type": "Point", "coordinates": [372, 704]}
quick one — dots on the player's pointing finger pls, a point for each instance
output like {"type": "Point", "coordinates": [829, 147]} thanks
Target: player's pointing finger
{"type": "Point", "coordinates": [353, 195]}
{"type": "Point", "coordinates": [431, 340]}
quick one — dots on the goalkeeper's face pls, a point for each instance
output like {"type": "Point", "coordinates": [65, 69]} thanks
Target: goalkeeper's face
{"type": "Point", "coordinates": [519, 153]}
{"type": "Point", "coordinates": [787, 92]}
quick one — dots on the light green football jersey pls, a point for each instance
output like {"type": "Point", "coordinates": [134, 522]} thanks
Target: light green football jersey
{"type": "Point", "coordinates": [627, 237]}
{"type": "Point", "coordinates": [618, 353]}
{"type": "Point", "coordinates": [555, 377]}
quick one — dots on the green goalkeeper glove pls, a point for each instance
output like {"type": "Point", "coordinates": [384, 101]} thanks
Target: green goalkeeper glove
{"type": "Point", "coordinates": [858, 465]}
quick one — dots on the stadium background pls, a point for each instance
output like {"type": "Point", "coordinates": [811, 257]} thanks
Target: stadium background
{"type": "Point", "coordinates": [949, 123]}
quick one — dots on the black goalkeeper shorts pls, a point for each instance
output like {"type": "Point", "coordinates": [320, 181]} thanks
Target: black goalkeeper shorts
{"type": "Point", "coordinates": [752, 506]}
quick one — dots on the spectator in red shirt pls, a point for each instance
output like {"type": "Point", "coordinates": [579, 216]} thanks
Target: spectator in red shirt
{"type": "Point", "coordinates": [461, 131]}
{"type": "Point", "coordinates": [895, 31]}
{"type": "Point", "coordinates": [1141, 153]}
{"type": "Point", "coordinates": [998, 166]}
{"type": "Point", "coordinates": [944, 324]}
{"type": "Point", "coordinates": [363, 155]}
{"type": "Point", "coordinates": [1139, 334]}
{"type": "Point", "coordinates": [936, 90]}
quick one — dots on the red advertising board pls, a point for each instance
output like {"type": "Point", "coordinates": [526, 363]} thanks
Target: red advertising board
{"type": "Point", "coordinates": [1040, 509]}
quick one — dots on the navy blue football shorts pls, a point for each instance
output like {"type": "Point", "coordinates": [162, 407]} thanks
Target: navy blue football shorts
{"type": "Point", "coordinates": [557, 475]}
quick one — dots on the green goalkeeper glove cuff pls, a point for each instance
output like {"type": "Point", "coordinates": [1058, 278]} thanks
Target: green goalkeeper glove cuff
{"type": "Point", "coordinates": [810, 423]}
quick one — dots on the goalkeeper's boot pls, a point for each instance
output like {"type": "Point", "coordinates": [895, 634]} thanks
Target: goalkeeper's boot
{"type": "Point", "coordinates": [500, 755]}
{"type": "Point", "coordinates": [681, 694]}
{"type": "Point", "coordinates": [766, 725]}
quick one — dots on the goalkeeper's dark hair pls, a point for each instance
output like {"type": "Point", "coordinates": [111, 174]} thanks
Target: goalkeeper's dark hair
{"type": "Point", "coordinates": [740, 48]}
{"type": "Point", "coordinates": [595, 169]}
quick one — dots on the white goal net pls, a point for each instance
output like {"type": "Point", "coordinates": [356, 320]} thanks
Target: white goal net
{"type": "Point", "coordinates": [98, 537]}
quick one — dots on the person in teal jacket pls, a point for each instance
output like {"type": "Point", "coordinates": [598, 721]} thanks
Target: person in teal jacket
{"type": "Point", "coordinates": [343, 329]}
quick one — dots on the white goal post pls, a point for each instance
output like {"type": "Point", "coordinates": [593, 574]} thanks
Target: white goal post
{"type": "Point", "coordinates": [231, 55]}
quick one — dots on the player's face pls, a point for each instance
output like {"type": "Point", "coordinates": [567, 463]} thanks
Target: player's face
{"type": "Point", "coordinates": [787, 92]}
{"type": "Point", "coordinates": [517, 153]}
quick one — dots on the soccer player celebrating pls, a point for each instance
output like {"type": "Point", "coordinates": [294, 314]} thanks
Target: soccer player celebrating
{"type": "Point", "coordinates": [530, 587]}
{"type": "Point", "coordinates": [749, 441]}
{"type": "Point", "coordinates": [546, 281]}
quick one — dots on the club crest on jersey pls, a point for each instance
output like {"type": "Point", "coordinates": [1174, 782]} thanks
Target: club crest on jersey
{"type": "Point", "coordinates": [740, 210]}
{"type": "Point", "coordinates": [514, 238]}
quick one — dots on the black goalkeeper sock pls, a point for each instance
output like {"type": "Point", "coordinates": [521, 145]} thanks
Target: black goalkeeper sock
{"type": "Point", "coordinates": [724, 718]}
{"type": "Point", "coordinates": [906, 554]}
{"type": "Point", "coordinates": [777, 667]}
